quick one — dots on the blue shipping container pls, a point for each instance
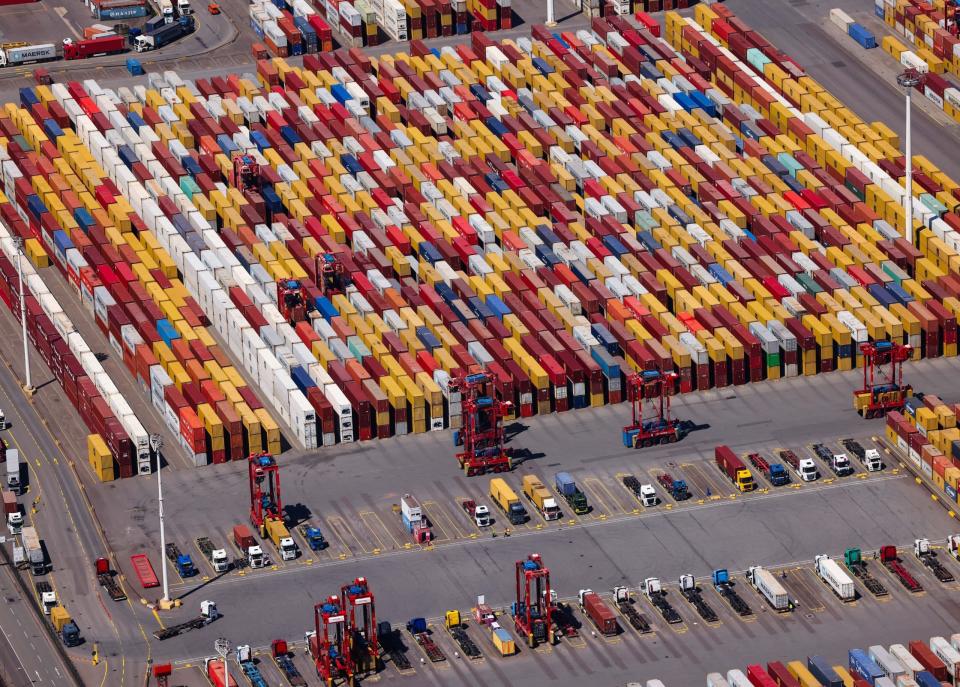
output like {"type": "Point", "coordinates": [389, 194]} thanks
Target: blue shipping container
{"type": "Point", "coordinates": [859, 662]}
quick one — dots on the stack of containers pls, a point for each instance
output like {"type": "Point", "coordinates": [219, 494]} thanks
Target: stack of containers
{"type": "Point", "coordinates": [100, 459]}
{"type": "Point", "coordinates": [392, 18]}
{"type": "Point", "coordinates": [484, 14]}
{"type": "Point", "coordinates": [291, 34]}
{"type": "Point", "coordinates": [927, 434]}
{"type": "Point", "coordinates": [461, 17]}
{"type": "Point", "coordinates": [487, 220]}
{"type": "Point", "coordinates": [414, 19]}
{"type": "Point", "coordinates": [368, 18]}
{"type": "Point", "coordinates": [925, 26]}
{"type": "Point", "coordinates": [351, 25]}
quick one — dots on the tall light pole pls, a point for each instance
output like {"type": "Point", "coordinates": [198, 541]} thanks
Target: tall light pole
{"type": "Point", "coordinates": [550, 19]}
{"type": "Point", "coordinates": [28, 386]}
{"type": "Point", "coordinates": [909, 79]}
{"type": "Point", "coordinates": [156, 443]}
{"type": "Point", "coordinates": [222, 647]}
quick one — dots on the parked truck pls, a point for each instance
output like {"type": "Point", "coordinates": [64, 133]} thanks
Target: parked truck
{"type": "Point", "coordinates": [833, 575]}
{"type": "Point", "coordinates": [34, 550]}
{"type": "Point", "coordinates": [870, 457]}
{"type": "Point", "coordinates": [507, 500]}
{"type": "Point", "coordinates": [691, 592]}
{"type": "Point", "coordinates": [458, 630]}
{"type": "Point", "coordinates": [92, 47]}
{"type": "Point", "coordinates": [646, 494]}
{"type": "Point", "coordinates": [926, 555]}
{"type": "Point", "coordinates": [677, 488]}
{"type": "Point", "coordinates": [568, 489]}
{"type": "Point", "coordinates": [657, 595]}
{"type": "Point", "coordinates": [251, 551]}
{"type": "Point", "coordinates": [724, 586]}
{"type": "Point", "coordinates": [12, 514]}
{"type": "Point", "coordinates": [415, 520]}
{"type": "Point", "coordinates": [314, 537]}
{"type": "Point", "coordinates": [66, 629]}
{"type": "Point", "coordinates": [775, 473]}
{"type": "Point", "coordinates": [891, 561]}
{"type": "Point", "coordinates": [837, 462]}
{"type": "Point", "coordinates": [731, 466]}
{"type": "Point", "coordinates": [599, 613]}
{"type": "Point", "coordinates": [26, 54]}
{"type": "Point", "coordinates": [856, 565]}
{"type": "Point", "coordinates": [769, 587]}
{"type": "Point", "coordinates": [107, 579]}
{"type": "Point", "coordinates": [13, 465]}
{"type": "Point", "coordinates": [181, 561]}
{"type": "Point", "coordinates": [280, 536]}
{"type": "Point", "coordinates": [163, 35]}
{"type": "Point", "coordinates": [805, 468]}
{"type": "Point", "coordinates": [540, 497]}
{"type": "Point", "coordinates": [637, 620]}
{"type": "Point", "coordinates": [479, 514]}
{"type": "Point", "coordinates": [217, 557]}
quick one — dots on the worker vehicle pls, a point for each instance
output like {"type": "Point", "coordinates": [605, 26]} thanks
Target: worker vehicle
{"type": "Point", "coordinates": [646, 494]}
{"type": "Point", "coordinates": [417, 627]}
{"type": "Point", "coordinates": [507, 501]}
{"type": "Point", "coordinates": [923, 551]}
{"type": "Point", "coordinates": [769, 587]}
{"type": "Point", "coordinates": [64, 626]}
{"type": "Point", "coordinates": [217, 557]}
{"type": "Point", "coordinates": [657, 595]}
{"type": "Point", "coordinates": [734, 469]}
{"type": "Point", "coordinates": [540, 497]}
{"type": "Point", "coordinates": [92, 47]}
{"type": "Point", "coordinates": [891, 561]}
{"type": "Point", "coordinates": [599, 613]}
{"type": "Point", "coordinates": [833, 575]}
{"type": "Point", "coordinates": [251, 551]}
{"type": "Point", "coordinates": [837, 462]}
{"type": "Point", "coordinates": [691, 592]}
{"type": "Point", "coordinates": [870, 457]}
{"type": "Point", "coordinates": [314, 537]}
{"type": "Point", "coordinates": [853, 559]}
{"type": "Point", "coordinates": [725, 587]}
{"type": "Point", "coordinates": [458, 630]}
{"type": "Point", "coordinates": [624, 602]}
{"type": "Point", "coordinates": [33, 547]}
{"type": "Point", "coordinates": [106, 578]}
{"type": "Point", "coordinates": [481, 432]}
{"type": "Point", "coordinates": [13, 471]}
{"type": "Point", "coordinates": [163, 35]}
{"type": "Point", "coordinates": [26, 54]}
{"type": "Point", "coordinates": [181, 561]}
{"type": "Point", "coordinates": [805, 468]}
{"type": "Point", "coordinates": [213, 8]}
{"type": "Point", "coordinates": [677, 488]}
{"type": "Point", "coordinates": [775, 473]}
{"type": "Point", "coordinates": [568, 489]}
{"type": "Point", "coordinates": [479, 513]}
{"type": "Point", "coordinates": [482, 613]}
{"type": "Point", "coordinates": [883, 388]}
{"type": "Point", "coordinates": [208, 614]}
{"type": "Point", "coordinates": [651, 389]}
{"type": "Point", "coordinates": [414, 520]}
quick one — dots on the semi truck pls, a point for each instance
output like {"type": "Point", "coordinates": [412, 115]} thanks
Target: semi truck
{"type": "Point", "coordinates": [479, 513]}
{"type": "Point", "coordinates": [769, 587]}
{"type": "Point", "coordinates": [34, 550]}
{"type": "Point", "coordinates": [252, 552]}
{"type": "Point", "coordinates": [181, 561]}
{"type": "Point", "coordinates": [646, 494]}
{"type": "Point", "coordinates": [599, 613]}
{"type": "Point", "coordinates": [805, 468]}
{"type": "Point", "coordinates": [107, 579]}
{"type": "Point", "coordinates": [775, 473]}
{"type": "Point", "coordinates": [163, 35]}
{"type": "Point", "coordinates": [837, 462]}
{"type": "Point", "coordinates": [66, 629]}
{"type": "Point", "coordinates": [568, 489]}
{"type": "Point", "coordinates": [833, 575]}
{"type": "Point", "coordinates": [105, 45]}
{"type": "Point", "coordinates": [731, 466]}
{"type": "Point", "coordinates": [13, 465]}
{"type": "Point", "coordinates": [280, 536]}
{"type": "Point", "coordinates": [217, 557]}
{"type": "Point", "coordinates": [540, 497]}
{"type": "Point", "coordinates": [29, 53]}
{"type": "Point", "coordinates": [870, 457]}
{"type": "Point", "coordinates": [506, 499]}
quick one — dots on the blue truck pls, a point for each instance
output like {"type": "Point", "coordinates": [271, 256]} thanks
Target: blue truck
{"type": "Point", "coordinates": [314, 537]}
{"type": "Point", "coordinates": [182, 561]}
{"type": "Point", "coordinates": [775, 473]}
{"type": "Point", "coordinates": [163, 35]}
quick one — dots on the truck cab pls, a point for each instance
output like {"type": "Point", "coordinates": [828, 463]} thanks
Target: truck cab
{"type": "Point", "coordinates": [648, 495]}
{"type": "Point", "coordinates": [807, 470]}
{"type": "Point", "coordinates": [288, 549]}
{"type": "Point", "coordinates": [14, 522]}
{"type": "Point", "coordinates": [185, 566]}
{"type": "Point", "coordinates": [13, 470]}
{"type": "Point", "coordinates": [778, 475]}
{"type": "Point", "coordinates": [48, 600]}
{"type": "Point", "coordinates": [840, 464]}
{"type": "Point", "coordinates": [219, 561]}
{"type": "Point", "coordinates": [481, 516]}
{"type": "Point", "coordinates": [255, 556]}
{"type": "Point", "coordinates": [651, 586]}
{"type": "Point", "coordinates": [871, 460]}
{"type": "Point", "coordinates": [184, 8]}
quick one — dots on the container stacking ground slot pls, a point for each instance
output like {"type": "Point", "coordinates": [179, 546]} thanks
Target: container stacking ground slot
{"type": "Point", "coordinates": [787, 263]}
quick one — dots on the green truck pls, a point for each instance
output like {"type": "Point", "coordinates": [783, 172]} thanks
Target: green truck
{"type": "Point", "coordinates": [567, 488]}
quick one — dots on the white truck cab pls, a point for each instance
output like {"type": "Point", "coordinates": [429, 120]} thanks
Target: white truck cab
{"type": "Point", "coordinates": [871, 460]}
{"type": "Point", "coordinates": [648, 495]}
{"type": "Point", "coordinates": [255, 556]}
{"type": "Point", "coordinates": [14, 522]}
{"type": "Point", "coordinates": [218, 558]}
{"type": "Point", "coordinates": [481, 516]}
{"type": "Point", "coordinates": [183, 8]}
{"type": "Point", "coordinates": [841, 464]}
{"type": "Point", "coordinates": [288, 549]}
{"type": "Point", "coordinates": [807, 470]}
{"type": "Point", "coordinates": [48, 600]}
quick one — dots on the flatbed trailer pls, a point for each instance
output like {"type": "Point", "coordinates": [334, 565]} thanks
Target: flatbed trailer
{"type": "Point", "coordinates": [859, 569]}
{"type": "Point", "coordinates": [144, 571]}
{"type": "Point", "coordinates": [638, 621]}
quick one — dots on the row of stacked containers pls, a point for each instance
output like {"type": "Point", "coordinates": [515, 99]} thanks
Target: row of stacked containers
{"type": "Point", "coordinates": [561, 210]}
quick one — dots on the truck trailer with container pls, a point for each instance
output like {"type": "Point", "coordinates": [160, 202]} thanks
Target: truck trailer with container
{"type": "Point", "coordinates": [734, 469]}
{"type": "Point", "coordinates": [833, 575]}
{"type": "Point", "coordinates": [769, 587]}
